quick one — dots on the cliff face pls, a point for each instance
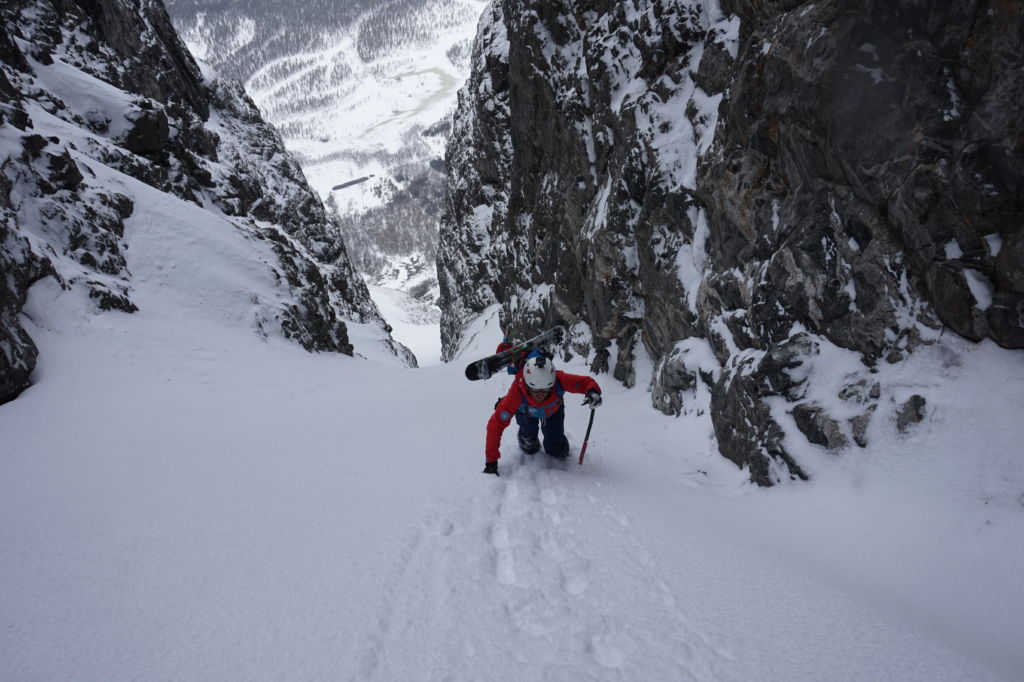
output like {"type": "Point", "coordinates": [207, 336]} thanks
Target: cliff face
{"type": "Point", "coordinates": [94, 84]}
{"type": "Point", "coordinates": [740, 189]}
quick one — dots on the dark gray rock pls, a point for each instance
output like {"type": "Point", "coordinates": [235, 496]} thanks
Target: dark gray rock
{"type": "Point", "coordinates": [21, 267]}
{"type": "Point", "coordinates": [64, 173]}
{"type": "Point", "coordinates": [1009, 264]}
{"type": "Point", "coordinates": [819, 428]}
{"type": "Point", "coordinates": [16, 365]}
{"type": "Point", "coordinates": [155, 62]}
{"type": "Point", "coordinates": [1005, 319]}
{"type": "Point", "coordinates": [149, 133]}
{"type": "Point", "coordinates": [910, 412]}
{"type": "Point", "coordinates": [855, 173]}
{"type": "Point", "coordinates": [675, 380]}
{"type": "Point", "coordinates": [477, 196]}
{"type": "Point", "coordinates": [860, 391]}
{"type": "Point", "coordinates": [954, 302]}
{"type": "Point", "coordinates": [859, 426]}
{"type": "Point", "coordinates": [864, 392]}
{"type": "Point", "coordinates": [747, 433]}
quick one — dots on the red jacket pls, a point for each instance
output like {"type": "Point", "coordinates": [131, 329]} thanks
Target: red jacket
{"type": "Point", "coordinates": [518, 400]}
{"type": "Point", "coordinates": [520, 360]}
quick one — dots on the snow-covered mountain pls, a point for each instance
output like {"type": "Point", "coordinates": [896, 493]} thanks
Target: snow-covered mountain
{"type": "Point", "coordinates": [105, 120]}
{"type": "Point", "coordinates": [742, 194]}
{"type": "Point", "coordinates": [188, 494]}
{"type": "Point", "coordinates": [362, 94]}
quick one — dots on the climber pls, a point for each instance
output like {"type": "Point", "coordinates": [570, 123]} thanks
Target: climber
{"type": "Point", "coordinates": [535, 399]}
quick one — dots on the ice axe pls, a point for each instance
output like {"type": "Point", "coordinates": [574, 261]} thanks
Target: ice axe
{"type": "Point", "coordinates": [586, 438]}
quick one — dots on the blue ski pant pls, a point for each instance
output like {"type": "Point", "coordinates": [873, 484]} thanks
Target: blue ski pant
{"type": "Point", "coordinates": [553, 428]}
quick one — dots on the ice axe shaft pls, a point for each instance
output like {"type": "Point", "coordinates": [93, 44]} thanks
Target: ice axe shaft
{"type": "Point", "coordinates": [586, 438]}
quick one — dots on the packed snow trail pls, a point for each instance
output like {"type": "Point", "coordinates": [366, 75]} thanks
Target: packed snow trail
{"type": "Point", "coordinates": [183, 499]}
{"type": "Point", "coordinates": [511, 590]}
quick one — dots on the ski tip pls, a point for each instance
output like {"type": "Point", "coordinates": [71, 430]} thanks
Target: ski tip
{"type": "Point", "coordinates": [477, 371]}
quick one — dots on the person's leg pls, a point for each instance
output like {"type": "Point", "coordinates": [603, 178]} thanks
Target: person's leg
{"type": "Point", "coordinates": [528, 427]}
{"type": "Point", "coordinates": [555, 442]}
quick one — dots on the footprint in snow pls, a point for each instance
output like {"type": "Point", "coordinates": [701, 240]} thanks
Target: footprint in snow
{"type": "Point", "coordinates": [505, 567]}
{"type": "Point", "coordinates": [504, 561]}
{"type": "Point", "coordinates": [575, 576]}
{"type": "Point", "coordinates": [553, 516]}
{"type": "Point", "coordinates": [552, 544]}
{"type": "Point", "coordinates": [538, 617]}
{"type": "Point", "coordinates": [442, 526]}
{"type": "Point", "coordinates": [611, 648]}
{"type": "Point", "coordinates": [499, 537]}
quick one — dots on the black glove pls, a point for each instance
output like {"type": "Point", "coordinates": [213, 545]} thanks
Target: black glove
{"type": "Point", "coordinates": [593, 399]}
{"type": "Point", "coordinates": [491, 468]}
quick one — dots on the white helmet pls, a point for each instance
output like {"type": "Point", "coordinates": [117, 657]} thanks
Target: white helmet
{"type": "Point", "coordinates": [539, 373]}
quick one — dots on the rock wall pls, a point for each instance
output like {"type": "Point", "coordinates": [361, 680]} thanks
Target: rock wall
{"type": "Point", "coordinates": [737, 188]}
{"type": "Point", "coordinates": [151, 115]}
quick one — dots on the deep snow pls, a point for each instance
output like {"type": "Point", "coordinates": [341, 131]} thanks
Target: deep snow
{"type": "Point", "coordinates": [414, 323]}
{"type": "Point", "coordinates": [183, 499]}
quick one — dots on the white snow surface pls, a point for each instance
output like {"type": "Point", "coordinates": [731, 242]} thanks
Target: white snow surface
{"type": "Point", "coordinates": [181, 499]}
{"type": "Point", "coordinates": [414, 323]}
{"type": "Point", "coordinates": [186, 495]}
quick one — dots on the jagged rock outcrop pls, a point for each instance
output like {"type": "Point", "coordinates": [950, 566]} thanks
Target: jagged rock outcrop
{"type": "Point", "coordinates": [146, 111]}
{"type": "Point", "coordinates": [766, 181]}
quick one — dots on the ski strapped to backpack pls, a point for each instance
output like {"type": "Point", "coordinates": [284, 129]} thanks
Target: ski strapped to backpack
{"type": "Point", "coordinates": [487, 367]}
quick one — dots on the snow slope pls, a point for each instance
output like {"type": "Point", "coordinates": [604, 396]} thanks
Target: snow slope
{"type": "Point", "coordinates": [368, 101]}
{"type": "Point", "coordinates": [413, 322]}
{"type": "Point", "coordinates": [183, 499]}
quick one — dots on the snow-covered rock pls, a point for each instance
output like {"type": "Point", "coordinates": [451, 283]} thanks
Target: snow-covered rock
{"type": "Point", "coordinates": [764, 181]}
{"type": "Point", "coordinates": [362, 93]}
{"type": "Point", "coordinates": [87, 92]}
